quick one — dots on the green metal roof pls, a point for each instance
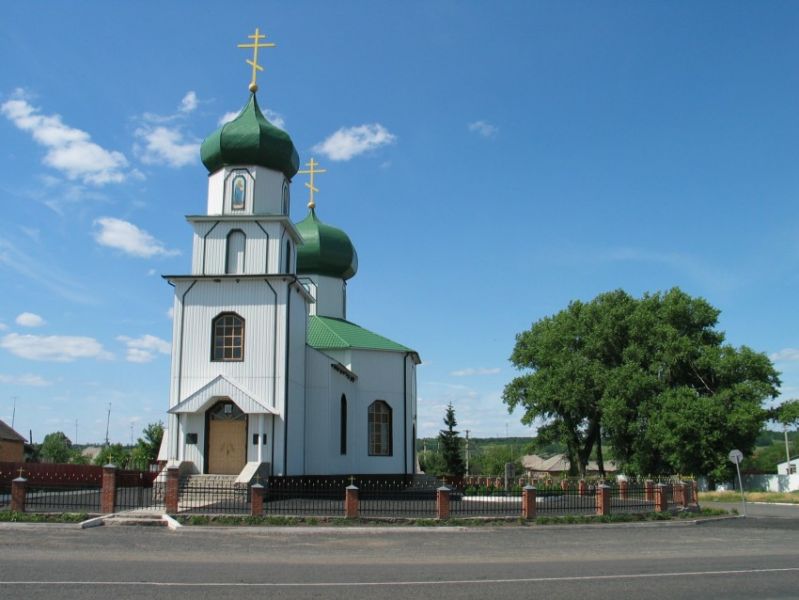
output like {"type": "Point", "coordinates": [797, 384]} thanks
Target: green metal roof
{"type": "Point", "coordinates": [250, 139]}
{"type": "Point", "coordinates": [326, 250]}
{"type": "Point", "coordinates": [327, 333]}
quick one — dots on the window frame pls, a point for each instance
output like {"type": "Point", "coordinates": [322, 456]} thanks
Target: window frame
{"type": "Point", "coordinates": [214, 322]}
{"type": "Point", "coordinates": [343, 425]}
{"type": "Point", "coordinates": [386, 414]}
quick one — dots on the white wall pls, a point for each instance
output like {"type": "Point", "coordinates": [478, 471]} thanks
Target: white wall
{"type": "Point", "coordinates": [264, 191]}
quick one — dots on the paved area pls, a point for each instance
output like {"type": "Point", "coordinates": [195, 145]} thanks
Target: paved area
{"type": "Point", "coordinates": [741, 558]}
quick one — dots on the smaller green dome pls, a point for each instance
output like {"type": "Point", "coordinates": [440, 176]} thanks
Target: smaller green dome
{"type": "Point", "coordinates": [250, 139]}
{"type": "Point", "coordinates": [326, 251]}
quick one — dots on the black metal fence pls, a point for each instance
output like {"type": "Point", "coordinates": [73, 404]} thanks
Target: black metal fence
{"type": "Point", "coordinates": [62, 499]}
{"type": "Point", "coordinates": [398, 498]}
{"type": "Point", "coordinates": [305, 497]}
{"type": "Point", "coordinates": [214, 498]}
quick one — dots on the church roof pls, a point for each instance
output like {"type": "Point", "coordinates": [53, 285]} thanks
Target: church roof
{"type": "Point", "coordinates": [328, 333]}
{"type": "Point", "coordinates": [250, 139]}
{"type": "Point", "coordinates": [326, 250]}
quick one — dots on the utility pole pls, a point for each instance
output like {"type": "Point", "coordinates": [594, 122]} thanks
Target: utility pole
{"type": "Point", "coordinates": [787, 448]}
{"type": "Point", "coordinates": [107, 423]}
{"type": "Point", "coordinates": [131, 434]}
{"type": "Point", "coordinates": [467, 452]}
{"type": "Point", "coordinates": [14, 410]}
{"type": "Point", "coordinates": [76, 431]}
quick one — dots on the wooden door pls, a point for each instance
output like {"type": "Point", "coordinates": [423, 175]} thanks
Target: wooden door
{"type": "Point", "coordinates": [227, 446]}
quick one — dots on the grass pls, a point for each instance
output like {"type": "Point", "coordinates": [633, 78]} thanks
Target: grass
{"type": "Point", "coordinates": [788, 497]}
{"type": "Point", "coordinates": [230, 520]}
{"type": "Point", "coordinates": [6, 516]}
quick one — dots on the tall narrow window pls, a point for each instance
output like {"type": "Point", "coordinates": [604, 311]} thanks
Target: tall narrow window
{"type": "Point", "coordinates": [285, 197]}
{"type": "Point", "coordinates": [343, 431]}
{"type": "Point", "coordinates": [238, 194]}
{"type": "Point", "coordinates": [380, 434]}
{"type": "Point", "coordinates": [228, 338]}
{"type": "Point", "coordinates": [236, 244]}
{"type": "Point", "coordinates": [288, 257]}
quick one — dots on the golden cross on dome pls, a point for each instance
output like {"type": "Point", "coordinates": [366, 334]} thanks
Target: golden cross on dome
{"type": "Point", "coordinates": [312, 170]}
{"type": "Point", "coordinates": [256, 37]}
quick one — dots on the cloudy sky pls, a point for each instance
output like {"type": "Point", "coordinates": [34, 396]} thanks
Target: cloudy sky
{"type": "Point", "coordinates": [491, 162]}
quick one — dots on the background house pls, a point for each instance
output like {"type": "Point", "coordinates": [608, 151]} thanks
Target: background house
{"type": "Point", "coordinates": [12, 445]}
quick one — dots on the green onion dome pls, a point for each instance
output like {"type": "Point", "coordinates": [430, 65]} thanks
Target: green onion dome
{"type": "Point", "coordinates": [250, 139]}
{"type": "Point", "coordinates": [326, 251]}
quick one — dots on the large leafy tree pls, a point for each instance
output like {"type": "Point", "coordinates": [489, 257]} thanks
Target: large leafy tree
{"type": "Point", "coordinates": [56, 448]}
{"type": "Point", "coordinates": [451, 445]}
{"type": "Point", "coordinates": [651, 376]}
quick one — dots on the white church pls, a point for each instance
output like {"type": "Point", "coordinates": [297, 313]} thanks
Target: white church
{"type": "Point", "coordinates": [269, 376]}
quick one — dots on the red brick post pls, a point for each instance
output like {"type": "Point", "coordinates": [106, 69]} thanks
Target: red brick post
{"type": "Point", "coordinates": [693, 496]}
{"type": "Point", "coordinates": [662, 498]}
{"type": "Point", "coordinates": [649, 490]}
{"type": "Point", "coordinates": [564, 485]}
{"type": "Point", "coordinates": [623, 487]}
{"type": "Point", "coordinates": [603, 500]}
{"type": "Point", "coordinates": [351, 503]}
{"type": "Point", "coordinates": [528, 502]}
{"type": "Point", "coordinates": [679, 494]}
{"type": "Point", "coordinates": [442, 502]}
{"type": "Point", "coordinates": [18, 491]}
{"type": "Point", "coordinates": [257, 500]}
{"type": "Point", "coordinates": [108, 493]}
{"type": "Point", "coordinates": [582, 487]}
{"type": "Point", "coordinates": [172, 490]}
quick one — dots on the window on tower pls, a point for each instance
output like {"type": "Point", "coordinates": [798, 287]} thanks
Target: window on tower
{"type": "Point", "coordinates": [380, 434]}
{"type": "Point", "coordinates": [288, 257]}
{"type": "Point", "coordinates": [285, 197]}
{"type": "Point", "coordinates": [343, 424]}
{"type": "Point", "coordinates": [236, 244]}
{"type": "Point", "coordinates": [238, 193]}
{"type": "Point", "coordinates": [228, 338]}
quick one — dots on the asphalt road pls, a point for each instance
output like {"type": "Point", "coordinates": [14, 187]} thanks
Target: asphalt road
{"type": "Point", "coordinates": [741, 558]}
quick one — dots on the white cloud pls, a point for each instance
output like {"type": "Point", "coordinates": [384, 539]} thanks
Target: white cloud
{"type": "Point", "coordinates": [785, 355]}
{"type": "Point", "coordinates": [189, 102]}
{"type": "Point", "coordinates": [349, 142]}
{"type": "Point", "coordinates": [25, 379]}
{"type": "Point", "coordinates": [273, 117]}
{"type": "Point", "coordinates": [483, 128]}
{"type": "Point", "coordinates": [165, 145]}
{"type": "Point", "coordinates": [144, 348]}
{"type": "Point", "coordinates": [27, 319]}
{"type": "Point", "coordinates": [58, 348]}
{"type": "Point", "coordinates": [3, 326]}
{"type": "Point", "coordinates": [469, 372]}
{"type": "Point", "coordinates": [69, 150]}
{"type": "Point", "coordinates": [125, 236]}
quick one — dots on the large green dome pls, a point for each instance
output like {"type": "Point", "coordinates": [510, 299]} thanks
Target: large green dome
{"type": "Point", "coordinates": [250, 139]}
{"type": "Point", "coordinates": [326, 250]}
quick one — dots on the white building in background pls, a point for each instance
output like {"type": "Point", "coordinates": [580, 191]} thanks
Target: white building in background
{"type": "Point", "coordinates": [268, 375]}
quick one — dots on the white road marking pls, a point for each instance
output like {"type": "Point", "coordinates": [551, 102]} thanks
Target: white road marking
{"type": "Point", "coordinates": [403, 583]}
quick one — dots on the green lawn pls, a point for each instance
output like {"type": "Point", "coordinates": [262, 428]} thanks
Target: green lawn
{"type": "Point", "coordinates": [789, 497]}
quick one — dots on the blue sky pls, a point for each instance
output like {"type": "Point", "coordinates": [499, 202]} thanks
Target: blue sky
{"type": "Point", "coordinates": [490, 161]}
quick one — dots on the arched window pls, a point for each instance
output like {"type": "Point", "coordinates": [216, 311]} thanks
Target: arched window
{"type": "Point", "coordinates": [343, 431]}
{"type": "Point", "coordinates": [288, 257]}
{"type": "Point", "coordinates": [238, 192]}
{"type": "Point", "coordinates": [236, 243]}
{"type": "Point", "coordinates": [228, 338]}
{"type": "Point", "coordinates": [380, 434]}
{"type": "Point", "coordinates": [285, 197]}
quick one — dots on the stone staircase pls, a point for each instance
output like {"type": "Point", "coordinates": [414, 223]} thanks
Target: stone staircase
{"type": "Point", "coordinates": [196, 481]}
{"type": "Point", "coordinates": [208, 490]}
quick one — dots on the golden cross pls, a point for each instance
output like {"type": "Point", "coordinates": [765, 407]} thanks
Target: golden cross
{"type": "Point", "coordinates": [21, 471]}
{"type": "Point", "coordinates": [254, 62]}
{"type": "Point", "coordinates": [312, 170]}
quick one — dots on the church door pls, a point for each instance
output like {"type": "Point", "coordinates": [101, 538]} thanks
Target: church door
{"type": "Point", "coordinates": [227, 439]}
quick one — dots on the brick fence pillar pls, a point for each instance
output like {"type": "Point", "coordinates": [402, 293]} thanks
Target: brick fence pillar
{"type": "Point", "coordinates": [528, 502]}
{"type": "Point", "coordinates": [564, 485]}
{"type": "Point", "coordinates": [623, 488]}
{"type": "Point", "coordinates": [19, 488]}
{"type": "Point", "coordinates": [603, 500]}
{"type": "Point", "coordinates": [582, 487]}
{"type": "Point", "coordinates": [649, 490]}
{"type": "Point", "coordinates": [693, 497]}
{"type": "Point", "coordinates": [661, 498]}
{"type": "Point", "coordinates": [172, 490]}
{"type": "Point", "coordinates": [257, 500]}
{"type": "Point", "coordinates": [351, 502]}
{"type": "Point", "coordinates": [679, 494]}
{"type": "Point", "coordinates": [108, 493]}
{"type": "Point", "coordinates": [442, 502]}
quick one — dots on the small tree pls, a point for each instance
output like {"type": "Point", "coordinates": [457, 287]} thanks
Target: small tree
{"type": "Point", "coordinates": [56, 448]}
{"type": "Point", "coordinates": [146, 450]}
{"type": "Point", "coordinates": [451, 445]}
{"type": "Point", "coordinates": [115, 454]}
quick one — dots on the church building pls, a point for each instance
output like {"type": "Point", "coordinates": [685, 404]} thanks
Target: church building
{"type": "Point", "coordinates": [269, 376]}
